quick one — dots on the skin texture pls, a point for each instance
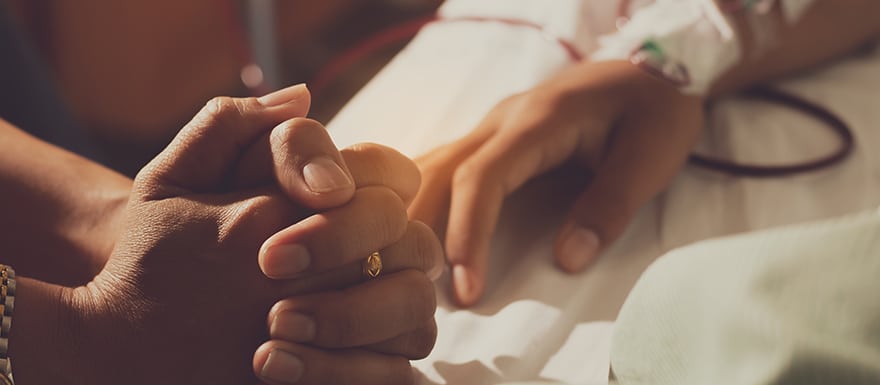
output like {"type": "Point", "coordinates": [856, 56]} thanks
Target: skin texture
{"type": "Point", "coordinates": [629, 132]}
{"type": "Point", "coordinates": [187, 288]}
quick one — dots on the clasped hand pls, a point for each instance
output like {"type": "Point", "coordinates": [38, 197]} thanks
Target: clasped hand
{"type": "Point", "coordinates": [240, 260]}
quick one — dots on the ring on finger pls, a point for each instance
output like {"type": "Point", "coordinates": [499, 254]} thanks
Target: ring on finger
{"type": "Point", "coordinates": [373, 265]}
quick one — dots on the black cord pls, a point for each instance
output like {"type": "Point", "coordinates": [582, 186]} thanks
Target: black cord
{"type": "Point", "coordinates": [786, 99]}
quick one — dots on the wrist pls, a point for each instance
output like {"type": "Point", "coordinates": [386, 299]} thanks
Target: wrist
{"type": "Point", "coordinates": [41, 342]}
{"type": "Point", "coordinates": [62, 335]}
{"type": "Point", "coordinates": [612, 88]}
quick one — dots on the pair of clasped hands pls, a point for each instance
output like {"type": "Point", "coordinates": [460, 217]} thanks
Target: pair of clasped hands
{"type": "Point", "coordinates": [184, 300]}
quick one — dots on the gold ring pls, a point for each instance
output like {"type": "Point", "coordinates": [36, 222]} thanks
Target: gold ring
{"type": "Point", "coordinates": [373, 265]}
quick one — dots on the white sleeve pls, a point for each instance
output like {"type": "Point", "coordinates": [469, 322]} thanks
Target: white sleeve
{"type": "Point", "coordinates": [689, 42]}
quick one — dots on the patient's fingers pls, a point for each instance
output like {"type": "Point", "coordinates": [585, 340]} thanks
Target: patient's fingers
{"type": "Point", "coordinates": [283, 363]}
{"type": "Point", "coordinates": [368, 164]}
{"type": "Point", "coordinates": [376, 165]}
{"type": "Point", "coordinates": [431, 204]}
{"type": "Point", "coordinates": [520, 151]}
{"type": "Point", "coordinates": [379, 310]}
{"type": "Point", "coordinates": [374, 218]}
{"type": "Point", "coordinates": [639, 163]}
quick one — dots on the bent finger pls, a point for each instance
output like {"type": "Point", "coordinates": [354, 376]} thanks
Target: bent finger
{"type": "Point", "coordinates": [479, 188]}
{"type": "Point", "coordinates": [376, 165]}
{"type": "Point", "coordinates": [373, 219]}
{"type": "Point", "coordinates": [431, 204]}
{"type": "Point", "coordinates": [375, 311]}
{"type": "Point", "coordinates": [307, 166]}
{"type": "Point", "coordinates": [419, 249]}
{"type": "Point", "coordinates": [204, 152]}
{"type": "Point", "coordinates": [284, 363]}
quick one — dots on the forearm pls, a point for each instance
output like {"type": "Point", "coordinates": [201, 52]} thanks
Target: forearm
{"type": "Point", "coordinates": [60, 211]}
{"type": "Point", "coordinates": [829, 29]}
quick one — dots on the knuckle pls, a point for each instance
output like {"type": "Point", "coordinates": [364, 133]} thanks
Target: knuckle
{"type": "Point", "coordinates": [290, 138]}
{"type": "Point", "coordinates": [222, 111]}
{"type": "Point", "coordinates": [290, 129]}
{"type": "Point", "coordinates": [222, 108]}
{"type": "Point", "coordinates": [280, 135]}
{"type": "Point", "coordinates": [146, 184]}
{"type": "Point", "coordinates": [391, 224]}
{"type": "Point", "coordinates": [299, 126]}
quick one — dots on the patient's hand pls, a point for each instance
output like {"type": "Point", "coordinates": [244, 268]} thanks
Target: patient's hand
{"type": "Point", "coordinates": [629, 130]}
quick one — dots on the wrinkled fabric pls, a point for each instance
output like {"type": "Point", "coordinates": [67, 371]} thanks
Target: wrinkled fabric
{"type": "Point", "coordinates": [690, 42]}
{"type": "Point", "coordinates": [791, 306]}
{"type": "Point", "coordinates": [536, 324]}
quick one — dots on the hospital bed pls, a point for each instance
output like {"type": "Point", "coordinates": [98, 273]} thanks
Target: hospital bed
{"type": "Point", "coordinates": [536, 324]}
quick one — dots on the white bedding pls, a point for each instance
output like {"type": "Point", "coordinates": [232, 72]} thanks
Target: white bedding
{"type": "Point", "coordinates": [536, 324]}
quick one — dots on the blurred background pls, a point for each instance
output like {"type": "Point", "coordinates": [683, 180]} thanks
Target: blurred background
{"type": "Point", "coordinates": [133, 72]}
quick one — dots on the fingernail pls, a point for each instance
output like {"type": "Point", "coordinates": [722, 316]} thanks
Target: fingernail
{"type": "Point", "coordinates": [464, 284]}
{"type": "Point", "coordinates": [293, 327]}
{"type": "Point", "coordinates": [322, 175]}
{"type": "Point", "coordinates": [283, 367]}
{"type": "Point", "coordinates": [282, 96]}
{"type": "Point", "coordinates": [579, 248]}
{"type": "Point", "coordinates": [284, 261]}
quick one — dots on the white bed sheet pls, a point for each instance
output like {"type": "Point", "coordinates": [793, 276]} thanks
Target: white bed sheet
{"type": "Point", "coordinates": [536, 324]}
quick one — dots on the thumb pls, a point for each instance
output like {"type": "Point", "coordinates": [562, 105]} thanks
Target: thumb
{"type": "Point", "coordinates": [202, 155]}
{"type": "Point", "coordinates": [597, 219]}
{"type": "Point", "coordinates": [640, 162]}
{"type": "Point", "coordinates": [308, 166]}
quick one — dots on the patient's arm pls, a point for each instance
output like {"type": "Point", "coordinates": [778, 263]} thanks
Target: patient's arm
{"type": "Point", "coordinates": [59, 211]}
{"type": "Point", "coordinates": [828, 30]}
{"type": "Point", "coordinates": [631, 131]}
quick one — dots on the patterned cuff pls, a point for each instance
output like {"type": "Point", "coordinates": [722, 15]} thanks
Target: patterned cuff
{"type": "Point", "coordinates": [7, 305]}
